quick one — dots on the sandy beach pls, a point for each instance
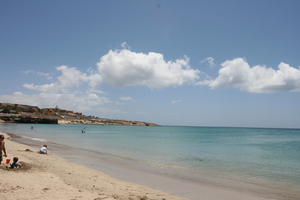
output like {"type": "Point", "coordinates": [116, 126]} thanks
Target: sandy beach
{"type": "Point", "coordinates": [52, 177]}
{"type": "Point", "coordinates": [150, 100]}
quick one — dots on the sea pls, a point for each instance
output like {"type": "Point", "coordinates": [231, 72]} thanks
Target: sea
{"type": "Point", "coordinates": [258, 155]}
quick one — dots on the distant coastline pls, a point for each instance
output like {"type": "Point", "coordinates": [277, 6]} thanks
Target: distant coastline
{"type": "Point", "coordinates": [18, 113]}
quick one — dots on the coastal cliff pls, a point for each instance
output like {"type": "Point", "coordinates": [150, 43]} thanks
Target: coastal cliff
{"type": "Point", "coordinates": [18, 113]}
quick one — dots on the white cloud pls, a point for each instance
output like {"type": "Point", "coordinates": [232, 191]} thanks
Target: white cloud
{"type": "Point", "coordinates": [77, 102]}
{"type": "Point", "coordinates": [124, 45]}
{"type": "Point", "coordinates": [128, 68]}
{"type": "Point", "coordinates": [46, 75]}
{"type": "Point", "coordinates": [69, 78]}
{"type": "Point", "coordinates": [175, 101]}
{"type": "Point", "coordinates": [77, 90]}
{"type": "Point", "coordinates": [210, 61]}
{"type": "Point", "coordinates": [126, 98]}
{"type": "Point", "coordinates": [237, 73]}
{"type": "Point", "coordinates": [124, 68]}
{"type": "Point", "coordinates": [72, 90]}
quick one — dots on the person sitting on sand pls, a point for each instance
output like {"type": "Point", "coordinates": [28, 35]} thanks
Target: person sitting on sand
{"type": "Point", "coordinates": [15, 163]}
{"type": "Point", "coordinates": [43, 149]}
{"type": "Point", "coordinates": [2, 148]}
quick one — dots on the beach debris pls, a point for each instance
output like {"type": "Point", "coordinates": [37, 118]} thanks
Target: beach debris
{"type": "Point", "coordinates": [100, 198]}
{"type": "Point", "coordinates": [144, 198]}
{"type": "Point", "coordinates": [29, 150]}
{"type": "Point", "coordinates": [46, 189]}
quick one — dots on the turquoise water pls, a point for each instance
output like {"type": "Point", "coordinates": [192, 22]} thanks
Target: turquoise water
{"type": "Point", "coordinates": [269, 154]}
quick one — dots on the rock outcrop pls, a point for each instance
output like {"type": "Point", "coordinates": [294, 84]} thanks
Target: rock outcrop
{"type": "Point", "coordinates": [17, 113]}
{"type": "Point", "coordinates": [17, 118]}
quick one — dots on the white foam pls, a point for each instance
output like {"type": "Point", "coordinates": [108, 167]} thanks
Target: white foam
{"type": "Point", "coordinates": [36, 139]}
{"type": "Point", "coordinates": [39, 139]}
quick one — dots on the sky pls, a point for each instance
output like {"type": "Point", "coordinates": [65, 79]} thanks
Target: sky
{"type": "Point", "coordinates": [171, 62]}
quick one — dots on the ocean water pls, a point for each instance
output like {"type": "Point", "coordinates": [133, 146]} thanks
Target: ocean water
{"type": "Point", "coordinates": [255, 153]}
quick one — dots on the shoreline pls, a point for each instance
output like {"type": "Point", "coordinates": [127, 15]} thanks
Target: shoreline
{"type": "Point", "coordinates": [186, 188]}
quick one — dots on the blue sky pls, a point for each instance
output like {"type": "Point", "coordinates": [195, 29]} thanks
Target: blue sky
{"type": "Point", "coordinates": [206, 63]}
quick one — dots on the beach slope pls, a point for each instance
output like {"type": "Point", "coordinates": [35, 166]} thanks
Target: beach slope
{"type": "Point", "coordinates": [50, 177]}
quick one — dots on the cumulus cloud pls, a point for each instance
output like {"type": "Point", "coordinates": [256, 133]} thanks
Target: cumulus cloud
{"type": "Point", "coordinates": [128, 68]}
{"type": "Point", "coordinates": [85, 102]}
{"type": "Point", "coordinates": [69, 78]}
{"type": "Point", "coordinates": [237, 73]}
{"type": "Point", "coordinates": [124, 68]}
{"type": "Point", "coordinates": [79, 90]}
{"type": "Point", "coordinates": [210, 61]}
{"type": "Point", "coordinates": [72, 89]}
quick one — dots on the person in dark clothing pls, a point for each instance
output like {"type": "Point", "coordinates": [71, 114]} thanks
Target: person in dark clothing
{"type": "Point", "coordinates": [15, 163]}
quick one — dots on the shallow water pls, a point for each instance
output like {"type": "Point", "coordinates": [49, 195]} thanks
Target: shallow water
{"type": "Point", "coordinates": [254, 154]}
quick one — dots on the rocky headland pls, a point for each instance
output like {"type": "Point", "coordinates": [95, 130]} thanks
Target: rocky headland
{"type": "Point", "coordinates": [18, 113]}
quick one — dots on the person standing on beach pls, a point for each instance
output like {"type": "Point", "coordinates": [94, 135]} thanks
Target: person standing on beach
{"type": "Point", "coordinates": [2, 148]}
